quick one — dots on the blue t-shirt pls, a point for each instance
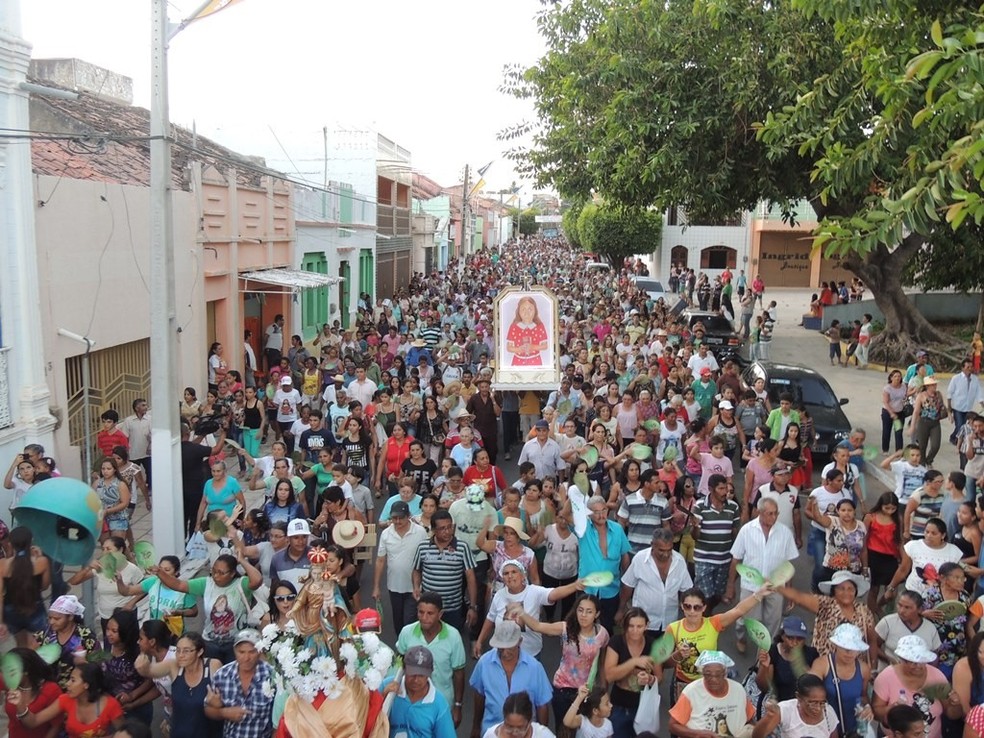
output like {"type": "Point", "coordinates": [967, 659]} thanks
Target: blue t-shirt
{"type": "Point", "coordinates": [590, 559]}
{"type": "Point", "coordinates": [414, 506]}
{"type": "Point", "coordinates": [429, 718]}
{"type": "Point", "coordinates": [224, 499]}
{"type": "Point", "coordinates": [489, 680]}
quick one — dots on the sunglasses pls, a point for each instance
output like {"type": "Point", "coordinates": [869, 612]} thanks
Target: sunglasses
{"type": "Point", "coordinates": [284, 598]}
{"type": "Point", "coordinates": [693, 607]}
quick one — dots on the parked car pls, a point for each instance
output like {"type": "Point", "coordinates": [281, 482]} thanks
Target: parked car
{"type": "Point", "coordinates": [719, 334]}
{"type": "Point", "coordinates": [654, 288]}
{"type": "Point", "coordinates": [809, 388]}
{"type": "Point", "coordinates": [598, 266]}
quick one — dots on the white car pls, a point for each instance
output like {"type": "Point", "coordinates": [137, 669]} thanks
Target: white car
{"type": "Point", "coordinates": [654, 288]}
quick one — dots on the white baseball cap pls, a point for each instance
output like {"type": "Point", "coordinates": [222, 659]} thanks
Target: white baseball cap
{"type": "Point", "coordinates": [298, 527]}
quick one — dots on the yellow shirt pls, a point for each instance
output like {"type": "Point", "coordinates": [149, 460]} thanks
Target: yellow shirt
{"type": "Point", "coordinates": [705, 638]}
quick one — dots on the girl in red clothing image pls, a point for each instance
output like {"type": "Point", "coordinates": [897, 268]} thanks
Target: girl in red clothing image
{"type": "Point", "coordinates": [527, 337]}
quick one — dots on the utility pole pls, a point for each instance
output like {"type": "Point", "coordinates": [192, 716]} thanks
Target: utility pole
{"type": "Point", "coordinates": [464, 219]}
{"type": "Point", "coordinates": [168, 517]}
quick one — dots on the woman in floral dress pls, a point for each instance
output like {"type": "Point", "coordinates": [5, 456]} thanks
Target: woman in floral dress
{"type": "Point", "coordinates": [952, 630]}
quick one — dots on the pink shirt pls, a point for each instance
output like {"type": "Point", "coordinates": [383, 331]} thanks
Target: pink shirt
{"type": "Point", "coordinates": [890, 688]}
{"type": "Point", "coordinates": [575, 667]}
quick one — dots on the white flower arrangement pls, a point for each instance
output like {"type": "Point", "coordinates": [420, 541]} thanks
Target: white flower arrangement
{"type": "Point", "coordinates": [298, 670]}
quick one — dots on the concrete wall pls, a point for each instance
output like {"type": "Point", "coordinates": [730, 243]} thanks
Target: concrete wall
{"type": "Point", "coordinates": [697, 238]}
{"type": "Point", "coordinates": [94, 265]}
{"type": "Point", "coordinates": [935, 306]}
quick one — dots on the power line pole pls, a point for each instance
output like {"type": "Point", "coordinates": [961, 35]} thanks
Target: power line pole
{"type": "Point", "coordinates": [464, 218]}
{"type": "Point", "coordinates": [166, 458]}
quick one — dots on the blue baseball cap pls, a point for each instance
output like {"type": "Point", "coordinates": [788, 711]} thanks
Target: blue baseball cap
{"type": "Point", "coordinates": [794, 627]}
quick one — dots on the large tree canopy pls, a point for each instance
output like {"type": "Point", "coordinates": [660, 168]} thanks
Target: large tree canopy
{"type": "Point", "coordinates": [717, 104]}
{"type": "Point", "coordinates": [617, 233]}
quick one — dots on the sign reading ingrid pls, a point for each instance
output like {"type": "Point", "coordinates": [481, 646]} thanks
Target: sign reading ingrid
{"type": "Point", "coordinates": [526, 339]}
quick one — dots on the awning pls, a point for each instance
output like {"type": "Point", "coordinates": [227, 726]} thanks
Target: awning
{"type": "Point", "coordinates": [291, 281]}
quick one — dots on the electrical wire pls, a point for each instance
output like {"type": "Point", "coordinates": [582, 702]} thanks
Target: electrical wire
{"type": "Point", "coordinates": [102, 254]}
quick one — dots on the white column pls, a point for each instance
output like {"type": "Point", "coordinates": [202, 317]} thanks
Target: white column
{"type": "Point", "coordinates": [23, 389]}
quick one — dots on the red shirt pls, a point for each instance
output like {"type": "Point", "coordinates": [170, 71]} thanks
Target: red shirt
{"type": "Point", "coordinates": [101, 726]}
{"type": "Point", "coordinates": [48, 694]}
{"type": "Point", "coordinates": [108, 441]}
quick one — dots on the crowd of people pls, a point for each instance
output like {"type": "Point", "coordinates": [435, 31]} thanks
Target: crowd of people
{"type": "Point", "coordinates": [657, 502]}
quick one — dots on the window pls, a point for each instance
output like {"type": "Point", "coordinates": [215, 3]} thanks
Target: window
{"type": "Point", "coordinates": [679, 256]}
{"type": "Point", "coordinates": [718, 257]}
{"type": "Point", "coordinates": [314, 302]}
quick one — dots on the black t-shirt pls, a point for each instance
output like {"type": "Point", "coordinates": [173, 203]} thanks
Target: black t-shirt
{"type": "Point", "coordinates": [193, 456]}
{"type": "Point", "coordinates": [783, 676]}
{"type": "Point", "coordinates": [313, 441]}
{"type": "Point", "coordinates": [623, 697]}
{"type": "Point", "coordinates": [423, 475]}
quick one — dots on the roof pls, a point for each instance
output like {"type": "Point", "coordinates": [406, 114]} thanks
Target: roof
{"type": "Point", "coordinates": [113, 145]}
{"type": "Point", "coordinates": [774, 367]}
{"type": "Point", "coordinates": [292, 280]}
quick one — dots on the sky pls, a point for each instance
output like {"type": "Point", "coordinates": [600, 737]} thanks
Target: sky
{"type": "Point", "coordinates": [264, 77]}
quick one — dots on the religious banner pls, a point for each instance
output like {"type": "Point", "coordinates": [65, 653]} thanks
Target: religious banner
{"type": "Point", "coordinates": [527, 342]}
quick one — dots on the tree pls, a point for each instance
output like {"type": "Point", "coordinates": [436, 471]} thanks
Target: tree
{"type": "Point", "coordinates": [955, 260]}
{"type": "Point", "coordinates": [527, 220]}
{"type": "Point", "coordinates": [617, 233]}
{"type": "Point", "coordinates": [659, 103]}
{"type": "Point", "coordinates": [569, 222]}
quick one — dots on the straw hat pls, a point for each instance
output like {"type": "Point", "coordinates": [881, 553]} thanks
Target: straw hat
{"type": "Point", "coordinates": [348, 533]}
{"type": "Point", "coordinates": [516, 524]}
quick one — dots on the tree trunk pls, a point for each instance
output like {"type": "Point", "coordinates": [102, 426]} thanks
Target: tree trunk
{"type": "Point", "coordinates": [881, 272]}
{"type": "Point", "coordinates": [980, 316]}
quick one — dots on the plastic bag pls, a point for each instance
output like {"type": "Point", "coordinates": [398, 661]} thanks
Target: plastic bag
{"type": "Point", "coordinates": [197, 548]}
{"type": "Point", "coordinates": [647, 716]}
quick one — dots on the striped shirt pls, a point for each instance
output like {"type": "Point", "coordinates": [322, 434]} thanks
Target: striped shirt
{"type": "Point", "coordinates": [431, 334]}
{"type": "Point", "coordinates": [713, 544]}
{"type": "Point", "coordinates": [644, 517]}
{"type": "Point", "coordinates": [442, 570]}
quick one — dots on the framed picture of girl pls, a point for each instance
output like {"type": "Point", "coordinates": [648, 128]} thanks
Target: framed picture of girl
{"type": "Point", "coordinates": [526, 337]}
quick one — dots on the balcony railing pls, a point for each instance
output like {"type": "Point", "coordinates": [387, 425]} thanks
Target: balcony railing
{"type": "Point", "coordinates": [393, 221]}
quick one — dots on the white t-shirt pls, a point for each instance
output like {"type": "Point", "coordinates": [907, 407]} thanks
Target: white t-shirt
{"type": "Point", "coordinates": [791, 725]}
{"type": "Point", "coordinates": [922, 555]}
{"type": "Point", "coordinates": [827, 502]}
{"type": "Point", "coordinates": [534, 599]}
{"type": "Point", "coordinates": [908, 479]}
{"type": "Point", "coordinates": [560, 561]}
{"type": "Point", "coordinates": [287, 403]}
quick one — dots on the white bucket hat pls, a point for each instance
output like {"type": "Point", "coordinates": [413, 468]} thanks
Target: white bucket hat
{"type": "Point", "coordinates": [707, 658]}
{"type": "Point", "coordinates": [839, 577]}
{"type": "Point", "coordinates": [913, 648]}
{"type": "Point", "coordinates": [849, 637]}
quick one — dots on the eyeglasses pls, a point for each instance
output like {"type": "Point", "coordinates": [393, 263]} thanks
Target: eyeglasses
{"type": "Point", "coordinates": [692, 607]}
{"type": "Point", "coordinates": [284, 598]}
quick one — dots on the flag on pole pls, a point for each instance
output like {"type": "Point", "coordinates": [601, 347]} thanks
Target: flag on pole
{"type": "Point", "coordinates": [483, 170]}
{"type": "Point", "coordinates": [213, 6]}
{"type": "Point", "coordinates": [478, 187]}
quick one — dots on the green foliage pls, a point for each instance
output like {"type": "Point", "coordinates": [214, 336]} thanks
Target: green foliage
{"type": "Point", "coordinates": [615, 233]}
{"type": "Point", "coordinates": [651, 103]}
{"type": "Point", "coordinates": [569, 223]}
{"type": "Point", "coordinates": [896, 135]}
{"type": "Point", "coordinates": [527, 220]}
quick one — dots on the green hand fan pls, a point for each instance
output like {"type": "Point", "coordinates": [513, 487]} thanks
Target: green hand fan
{"type": "Point", "coordinates": [651, 424]}
{"type": "Point", "coordinates": [758, 634]}
{"type": "Point", "coordinates": [870, 453]}
{"type": "Point", "coordinates": [581, 482]}
{"type": "Point", "coordinates": [144, 554]}
{"type": "Point", "coordinates": [951, 609]}
{"type": "Point", "coordinates": [782, 574]}
{"type": "Point", "coordinates": [12, 669]}
{"type": "Point", "coordinates": [641, 452]}
{"type": "Point", "coordinates": [751, 574]}
{"type": "Point", "coordinates": [598, 579]}
{"type": "Point", "coordinates": [112, 563]}
{"type": "Point", "coordinates": [663, 648]}
{"type": "Point", "coordinates": [50, 652]}
{"type": "Point", "coordinates": [797, 661]}
{"type": "Point", "coordinates": [593, 674]}
{"type": "Point", "coordinates": [589, 454]}
{"type": "Point", "coordinates": [565, 407]}
{"type": "Point", "coordinates": [937, 691]}
{"type": "Point", "coordinates": [217, 528]}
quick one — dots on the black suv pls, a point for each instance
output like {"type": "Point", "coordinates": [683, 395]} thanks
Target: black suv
{"type": "Point", "coordinates": [808, 387]}
{"type": "Point", "coordinates": [719, 334]}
